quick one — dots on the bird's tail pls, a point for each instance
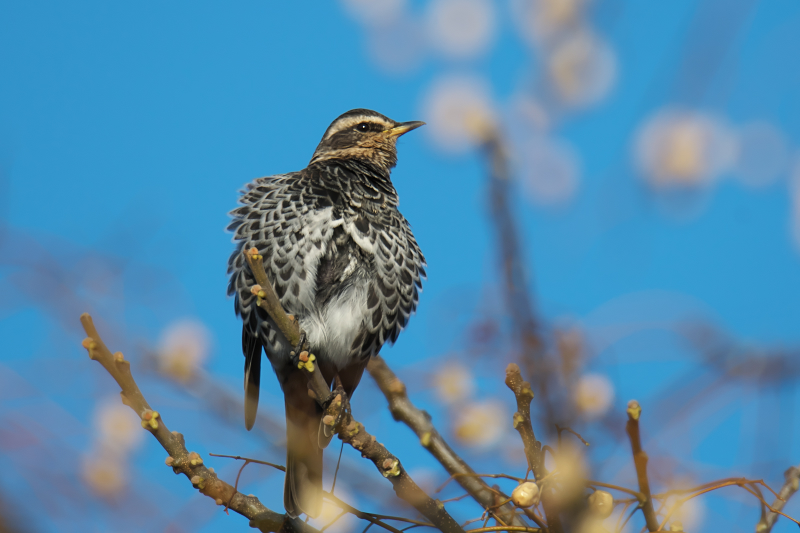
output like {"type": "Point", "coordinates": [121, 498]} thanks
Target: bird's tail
{"type": "Point", "coordinates": [302, 492]}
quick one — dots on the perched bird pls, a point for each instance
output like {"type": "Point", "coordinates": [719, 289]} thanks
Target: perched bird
{"type": "Point", "coordinates": [342, 260]}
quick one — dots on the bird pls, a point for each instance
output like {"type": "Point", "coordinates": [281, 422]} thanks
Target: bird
{"type": "Point", "coordinates": [342, 260]}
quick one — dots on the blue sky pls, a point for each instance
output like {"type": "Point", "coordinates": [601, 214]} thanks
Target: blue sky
{"type": "Point", "coordinates": [126, 130]}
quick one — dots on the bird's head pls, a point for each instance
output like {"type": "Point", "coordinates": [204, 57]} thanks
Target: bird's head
{"type": "Point", "coordinates": [362, 134]}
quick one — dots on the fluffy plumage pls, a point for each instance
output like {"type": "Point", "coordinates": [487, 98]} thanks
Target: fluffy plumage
{"type": "Point", "coordinates": [342, 259]}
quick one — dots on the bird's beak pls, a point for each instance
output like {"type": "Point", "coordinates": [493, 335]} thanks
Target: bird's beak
{"type": "Point", "coordinates": [405, 127]}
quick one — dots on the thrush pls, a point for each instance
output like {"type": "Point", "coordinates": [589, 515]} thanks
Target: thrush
{"type": "Point", "coordinates": [342, 260]}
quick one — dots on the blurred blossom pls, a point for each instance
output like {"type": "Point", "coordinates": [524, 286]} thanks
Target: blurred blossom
{"type": "Point", "coordinates": [331, 510]}
{"type": "Point", "coordinates": [461, 29]}
{"type": "Point", "coordinates": [592, 524]}
{"type": "Point", "coordinates": [454, 382]}
{"type": "Point", "coordinates": [118, 427]}
{"type": "Point", "coordinates": [527, 113]}
{"type": "Point", "coordinates": [549, 170]}
{"type": "Point", "coordinates": [572, 469]}
{"type": "Point", "coordinates": [372, 13]}
{"type": "Point", "coordinates": [683, 149]}
{"type": "Point", "coordinates": [482, 424]}
{"type": "Point", "coordinates": [762, 154]}
{"type": "Point", "coordinates": [581, 68]}
{"type": "Point", "coordinates": [570, 344]}
{"type": "Point", "coordinates": [398, 46]}
{"type": "Point", "coordinates": [601, 504]}
{"type": "Point", "coordinates": [458, 111]}
{"type": "Point", "coordinates": [689, 515]}
{"type": "Point", "coordinates": [541, 20]}
{"type": "Point", "coordinates": [104, 474]}
{"type": "Point", "coordinates": [183, 347]}
{"type": "Point", "coordinates": [594, 395]}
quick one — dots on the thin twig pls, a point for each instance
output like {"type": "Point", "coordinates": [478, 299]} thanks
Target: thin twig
{"type": "Point", "coordinates": [336, 472]}
{"type": "Point", "coordinates": [419, 421]}
{"type": "Point", "coordinates": [640, 462]}
{"type": "Point", "coordinates": [249, 460]}
{"type": "Point", "coordinates": [456, 498]}
{"type": "Point", "coordinates": [373, 519]}
{"type": "Point", "coordinates": [739, 482]}
{"type": "Point", "coordinates": [618, 528]}
{"type": "Point", "coordinates": [522, 420]}
{"type": "Point", "coordinates": [533, 448]}
{"type": "Point", "coordinates": [473, 474]}
{"type": "Point", "coordinates": [633, 512]}
{"type": "Point", "coordinates": [180, 459]}
{"type": "Point", "coordinates": [505, 528]}
{"type": "Point", "coordinates": [790, 486]}
{"type": "Point", "coordinates": [329, 524]}
{"type": "Point", "coordinates": [591, 483]}
{"type": "Point", "coordinates": [561, 429]}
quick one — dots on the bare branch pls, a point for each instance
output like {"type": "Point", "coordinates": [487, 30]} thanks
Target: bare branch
{"type": "Point", "coordinates": [640, 461]}
{"type": "Point", "coordinates": [269, 302]}
{"type": "Point", "coordinates": [180, 459]}
{"type": "Point", "coordinates": [349, 430]}
{"type": "Point", "coordinates": [505, 528]}
{"type": "Point", "coordinates": [420, 422]}
{"type": "Point", "coordinates": [373, 519]}
{"type": "Point", "coordinates": [746, 484]}
{"type": "Point", "coordinates": [792, 476]}
{"type": "Point", "coordinates": [533, 448]}
{"type": "Point", "coordinates": [522, 420]}
{"type": "Point", "coordinates": [517, 276]}
{"type": "Point", "coordinates": [354, 434]}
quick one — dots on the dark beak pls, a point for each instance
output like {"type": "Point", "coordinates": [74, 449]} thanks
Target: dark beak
{"type": "Point", "coordinates": [404, 127]}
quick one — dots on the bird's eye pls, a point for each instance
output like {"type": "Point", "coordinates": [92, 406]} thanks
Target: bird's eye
{"type": "Point", "coordinates": [363, 127]}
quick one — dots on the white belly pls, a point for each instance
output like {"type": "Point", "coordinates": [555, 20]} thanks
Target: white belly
{"type": "Point", "coordinates": [336, 325]}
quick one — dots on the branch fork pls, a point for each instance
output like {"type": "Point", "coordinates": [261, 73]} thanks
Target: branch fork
{"type": "Point", "coordinates": [336, 405]}
{"type": "Point", "coordinates": [180, 459]}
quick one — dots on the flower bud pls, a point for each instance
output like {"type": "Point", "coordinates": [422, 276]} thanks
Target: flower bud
{"type": "Point", "coordinates": [601, 503]}
{"type": "Point", "coordinates": [526, 495]}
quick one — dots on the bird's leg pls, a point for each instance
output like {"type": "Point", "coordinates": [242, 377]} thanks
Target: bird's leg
{"type": "Point", "coordinates": [334, 412]}
{"type": "Point", "coordinates": [302, 346]}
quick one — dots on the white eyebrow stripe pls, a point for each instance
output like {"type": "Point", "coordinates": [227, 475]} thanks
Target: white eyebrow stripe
{"type": "Point", "coordinates": [349, 122]}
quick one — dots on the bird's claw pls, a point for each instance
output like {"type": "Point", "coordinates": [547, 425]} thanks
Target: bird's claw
{"type": "Point", "coordinates": [297, 354]}
{"type": "Point", "coordinates": [333, 415]}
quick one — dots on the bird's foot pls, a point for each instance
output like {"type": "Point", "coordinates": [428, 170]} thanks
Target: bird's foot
{"type": "Point", "coordinates": [302, 344]}
{"type": "Point", "coordinates": [300, 354]}
{"type": "Point", "coordinates": [332, 418]}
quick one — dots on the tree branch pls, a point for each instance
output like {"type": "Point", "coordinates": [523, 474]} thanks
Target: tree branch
{"type": "Point", "coordinates": [420, 422]}
{"type": "Point", "coordinates": [522, 420]}
{"type": "Point", "coordinates": [269, 302]}
{"type": "Point", "coordinates": [640, 461]}
{"type": "Point", "coordinates": [180, 459]}
{"type": "Point", "coordinates": [517, 276]}
{"type": "Point", "coordinates": [533, 448]}
{"type": "Point", "coordinates": [349, 430]}
{"type": "Point", "coordinates": [792, 484]}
